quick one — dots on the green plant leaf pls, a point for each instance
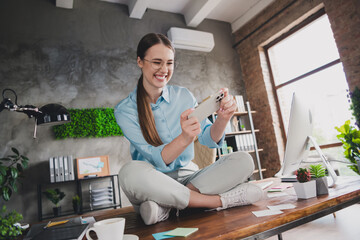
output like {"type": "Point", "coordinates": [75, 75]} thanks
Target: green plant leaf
{"type": "Point", "coordinates": [3, 170]}
{"type": "Point", "coordinates": [15, 151]}
{"type": "Point", "coordinates": [19, 167]}
{"type": "Point", "coordinates": [14, 172]}
{"type": "Point", "coordinates": [13, 185]}
{"type": "Point", "coordinates": [6, 193]}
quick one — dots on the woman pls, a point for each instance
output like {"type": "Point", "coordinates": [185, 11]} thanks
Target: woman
{"type": "Point", "coordinates": [154, 118]}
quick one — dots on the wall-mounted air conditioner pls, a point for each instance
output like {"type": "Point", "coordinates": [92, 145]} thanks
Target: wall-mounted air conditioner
{"type": "Point", "coordinates": [191, 39]}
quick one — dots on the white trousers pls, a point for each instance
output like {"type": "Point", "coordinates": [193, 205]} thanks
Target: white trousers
{"type": "Point", "coordinates": [141, 182]}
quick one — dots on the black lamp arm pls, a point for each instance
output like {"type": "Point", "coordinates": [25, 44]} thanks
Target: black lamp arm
{"type": "Point", "coordinates": [29, 110]}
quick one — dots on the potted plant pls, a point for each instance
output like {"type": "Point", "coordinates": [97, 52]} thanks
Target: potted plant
{"type": "Point", "coordinates": [9, 226]}
{"type": "Point", "coordinates": [350, 138]}
{"type": "Point", "coordinates": [350, 135]}
{"type": "Point", "coordinates": [11, 167]}
{"type": "Point", "coordinates": [318, 173]}
{"type": "Point", "coordinates": [55, 196]}
{"type": "Point", "coordinates": [304, 188]}
{"type": "Point", "coordinates": [76, 204]}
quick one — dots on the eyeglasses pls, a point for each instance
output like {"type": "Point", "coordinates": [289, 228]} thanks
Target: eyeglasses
{"type": "Point", "coordinates": [157, 64]}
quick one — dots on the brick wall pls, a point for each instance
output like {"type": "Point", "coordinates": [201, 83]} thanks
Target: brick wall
{"type": "Point", "coordinates": [272, 22]}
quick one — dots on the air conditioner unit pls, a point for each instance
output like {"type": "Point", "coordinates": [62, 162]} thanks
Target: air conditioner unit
{"type": "Point", "coordinates": [191, 39]}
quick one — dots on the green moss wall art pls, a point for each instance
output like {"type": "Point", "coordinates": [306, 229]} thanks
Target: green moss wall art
{"type": "Point", "coordinates": [88, 123]}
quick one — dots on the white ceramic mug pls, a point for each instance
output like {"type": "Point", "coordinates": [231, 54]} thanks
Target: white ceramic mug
{"type": "Point", "coordinates": [108, 229]}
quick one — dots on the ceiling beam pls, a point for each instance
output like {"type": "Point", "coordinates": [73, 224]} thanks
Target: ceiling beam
{"type": "Point", "coordinates": [137, 8]}
{"type": "Point", "coordinates": [252, 12]}
{"type": "Point", "coordinates": [196, 11]}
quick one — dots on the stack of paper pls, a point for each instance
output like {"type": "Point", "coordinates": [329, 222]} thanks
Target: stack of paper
{"type": "Point", "coordinates": [273, 210]}
{"type": "Point", "coordinates": [100, 196]}
{"type": "Point", "coordinates": [280, 188]}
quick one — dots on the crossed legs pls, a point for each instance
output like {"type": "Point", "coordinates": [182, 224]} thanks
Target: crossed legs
{"type": "Point", "coordinates": [206, 188]}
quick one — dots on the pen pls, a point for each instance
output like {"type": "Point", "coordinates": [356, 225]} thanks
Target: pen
{"type": "Point", "coordinates": [47, 224]}
{"type": "Point", "coordinates": [50, 224]}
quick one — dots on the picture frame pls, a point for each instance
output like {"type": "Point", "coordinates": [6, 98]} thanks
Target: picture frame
{"type": "Point", "coordinates": [97, 166]}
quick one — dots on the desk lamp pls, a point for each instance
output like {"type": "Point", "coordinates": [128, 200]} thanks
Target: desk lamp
{"type": "Point", "coordinates": [49, 114]}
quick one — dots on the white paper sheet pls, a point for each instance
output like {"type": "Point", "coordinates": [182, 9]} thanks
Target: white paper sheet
{"type": "Point", "coordinates": [264, 213]}
{"type": "Point", "coordinates": [276, 194]}
{"type": "Point", "coordinates": [281, 206]}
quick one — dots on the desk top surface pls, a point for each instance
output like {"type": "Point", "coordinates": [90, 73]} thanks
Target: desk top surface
{"type": "Point", "coordinates": [239, 222]}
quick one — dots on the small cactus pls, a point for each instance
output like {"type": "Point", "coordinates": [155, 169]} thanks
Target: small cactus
{"type": "Point", "coordinates": [303, 175]}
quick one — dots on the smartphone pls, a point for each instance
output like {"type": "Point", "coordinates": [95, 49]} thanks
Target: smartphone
{"type": "Point", "coordinates": [208, 106]}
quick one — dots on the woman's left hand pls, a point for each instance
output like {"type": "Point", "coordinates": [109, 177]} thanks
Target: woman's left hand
{"type": "Point", "coordinates": [227, 106]}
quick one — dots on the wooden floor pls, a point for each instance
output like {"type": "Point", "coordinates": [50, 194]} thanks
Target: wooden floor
{"type": "Point", "coordinates": [346, 226]}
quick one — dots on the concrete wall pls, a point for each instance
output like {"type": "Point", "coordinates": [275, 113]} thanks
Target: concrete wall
{"type": "Point", "coordinates": [344, 17]}
{"type": "Point", "coordinates": [85, 58]}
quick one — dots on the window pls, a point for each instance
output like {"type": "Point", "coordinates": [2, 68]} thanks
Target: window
{"type": "Point", "coordinates": [306, 61]}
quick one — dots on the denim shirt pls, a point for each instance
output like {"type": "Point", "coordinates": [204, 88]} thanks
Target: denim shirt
{"type": "Point", "coordinates": [173, 101]}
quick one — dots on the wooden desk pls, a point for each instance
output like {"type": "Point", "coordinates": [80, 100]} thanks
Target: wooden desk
{"type": "Point", "coordinates": [239, 222]}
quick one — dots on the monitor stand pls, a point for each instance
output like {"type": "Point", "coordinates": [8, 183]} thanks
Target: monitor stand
{"type": "Point", "coordinates": [324, 160]}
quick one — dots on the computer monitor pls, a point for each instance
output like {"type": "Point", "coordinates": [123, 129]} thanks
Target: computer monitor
{"type": "Point", "coordinates": [299, 140]}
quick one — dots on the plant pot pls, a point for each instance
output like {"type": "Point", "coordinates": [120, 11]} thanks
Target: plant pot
{"type": "Point", "coordinates": [305, 190]}
{"type": "Point", "coordinates": [322, 186]}
{"type": "Point", "coordinates": [57, 211]}
{"type": "Point", "coordinates": [76, 208]}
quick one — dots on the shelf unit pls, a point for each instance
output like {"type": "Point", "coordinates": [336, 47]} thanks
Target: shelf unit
{"type": "Point", "coordinates": [78, 183]}
{"type": "Point", "coordinates": [231, 139]}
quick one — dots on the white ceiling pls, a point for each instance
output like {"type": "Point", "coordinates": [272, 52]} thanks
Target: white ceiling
{"type": "Point", "coordinates": [235, 12]}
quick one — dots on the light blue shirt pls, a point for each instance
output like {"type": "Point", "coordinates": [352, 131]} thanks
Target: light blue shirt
{"type": "Point", "coordinates": [167, 110]}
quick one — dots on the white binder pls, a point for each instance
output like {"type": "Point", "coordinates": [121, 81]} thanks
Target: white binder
{"type": "Point", "coordinates": [56, 167]}
{"type": "Point", "coordinates": [51, 168]}
{"type": "Point", "coordinates": [66, 168]}
{"type": "Point", "coordinates": [61, 168]}
{"type": "Point", "coordinates": [71, 168]}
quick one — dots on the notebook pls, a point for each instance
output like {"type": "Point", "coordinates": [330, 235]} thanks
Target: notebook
{"type": "Point", "coordinates": [70, 231]}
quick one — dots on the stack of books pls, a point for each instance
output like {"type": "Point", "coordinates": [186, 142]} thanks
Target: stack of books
{"type": "Point", "coordinates": [61, 169]}
{"type": "Point", "coordinates": [100, 196]}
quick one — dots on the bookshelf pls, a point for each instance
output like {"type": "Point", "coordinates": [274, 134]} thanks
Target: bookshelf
{"type": "Point", "coordinates": [243, 139]}
{"type": "Point", "coordinates": [78, 185]}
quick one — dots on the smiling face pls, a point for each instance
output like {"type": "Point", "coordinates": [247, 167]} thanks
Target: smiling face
{"type": "Point", "coordinates": [157, 67]}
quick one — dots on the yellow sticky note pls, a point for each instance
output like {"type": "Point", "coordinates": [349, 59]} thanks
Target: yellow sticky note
{"type": "Point", "coordinates": [181, 232]}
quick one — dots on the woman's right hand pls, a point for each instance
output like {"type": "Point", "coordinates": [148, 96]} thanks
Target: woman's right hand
{"type": "Point", "coordinates": [190, 126]}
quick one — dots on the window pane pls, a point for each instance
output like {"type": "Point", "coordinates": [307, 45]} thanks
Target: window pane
{"type": "Point", "coordinates": [305, 50]}
{"type": "Point", "coordinates": [337, 160]}
{"type": "Point", "coordinates": [327, 93]}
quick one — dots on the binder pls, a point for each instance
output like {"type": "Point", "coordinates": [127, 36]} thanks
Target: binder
{"type": "Point", "coordinates": [61, 168]}
{"type": "Point", "coordinates": [71, 168]}
{"type": "Point", "coordinates": [56, 166]}
{"type": "Point", "coordinates": [240, 144]}
{"type": "Point", "coordinates": [240, 103]}
{"type": "Point", "coordinates": [51, 169]}
{"type": "Point", "coordinates": [66, 168]}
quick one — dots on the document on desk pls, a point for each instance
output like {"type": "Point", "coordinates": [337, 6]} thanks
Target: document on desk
{"type": "Point", "coordinates": [276, 194]}
{"type": "Point", "coordinates": [281, 207]}
{"type": "Point", "coordinates": [268, 212]}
